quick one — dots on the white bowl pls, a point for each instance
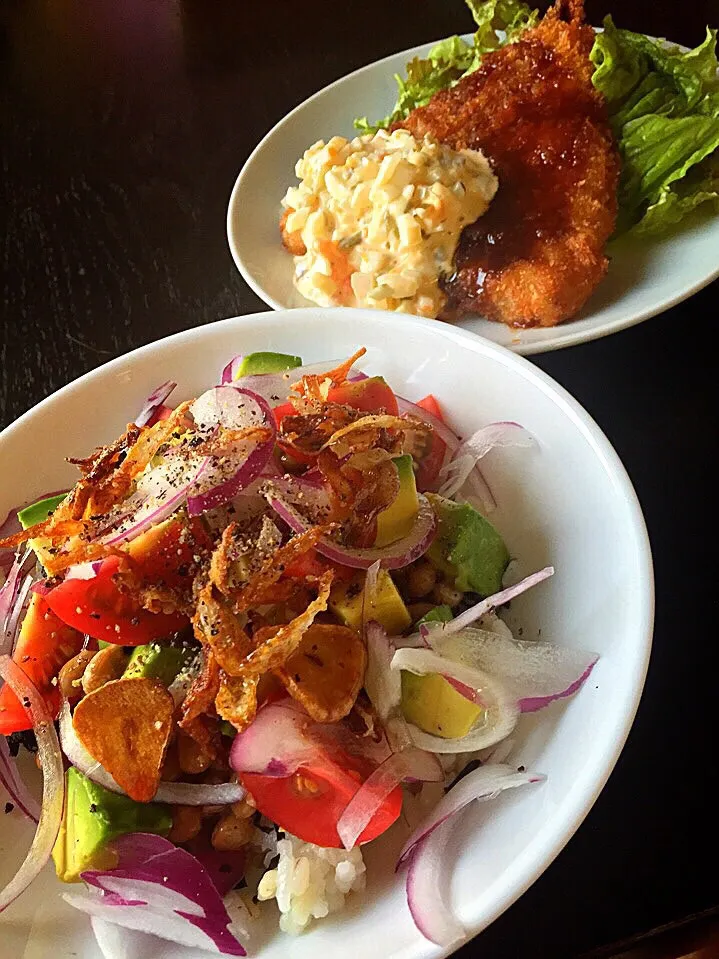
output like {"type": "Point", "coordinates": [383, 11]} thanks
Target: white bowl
{"type": "Point", "coordinates": [569, 503]}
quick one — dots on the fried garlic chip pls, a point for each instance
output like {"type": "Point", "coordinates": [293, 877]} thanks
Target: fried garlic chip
{"type": "Point", "coordinates": [326, 671]}
{"type": "Point", "coordinates": [236, 700]}
{"type": "Point", "coordinates": [125, 725]}
{"type": "Point", "coordinates": [277, 649]}
{"type": "Point", "coordinates": [317, 386]}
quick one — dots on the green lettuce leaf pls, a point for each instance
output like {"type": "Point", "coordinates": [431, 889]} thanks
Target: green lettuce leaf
{"type": "Point", "coordinates": [664, 109]}
{"type": "Point", "coordinates": [498, 22]}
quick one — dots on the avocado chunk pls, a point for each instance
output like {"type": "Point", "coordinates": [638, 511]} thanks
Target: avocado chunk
{"type": "Point", "coordinates": [346, 602]}
{"type": "Point", "coordinates": [255, 364]}
{"type": "Point", "coordinates": [158, 661]}
{"type": "Point", "coordinates": [93, 817]}
{"type": "Point", "coordinates": [397, 520]}
{"type": "Point", "coordinates": [440, 614]}
{"type": "Point", "coordinates": [467, 547]}
{"type": "Point", "coordinates": [37, 512]}
{"type": "Point", "coordinates": [434, 705]}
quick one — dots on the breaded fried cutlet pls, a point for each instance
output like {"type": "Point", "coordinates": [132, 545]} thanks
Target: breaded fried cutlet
{"type": "Point", "coordinates": [535, 257]}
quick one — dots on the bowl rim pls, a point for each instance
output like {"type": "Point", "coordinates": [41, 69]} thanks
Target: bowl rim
{"type": "Point", "coordinates": [567, 335]}
{"type": "Point", "coordinates": [588, 786]}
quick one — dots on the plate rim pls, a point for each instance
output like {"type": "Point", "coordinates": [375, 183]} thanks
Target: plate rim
{"type": "Point", "coordinates": [562, 341]}
{"type": "Point", "coordinates": [588, 786]}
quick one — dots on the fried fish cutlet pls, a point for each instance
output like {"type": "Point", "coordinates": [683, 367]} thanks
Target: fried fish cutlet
{"type": "Point", "coordinates": [535, 257]}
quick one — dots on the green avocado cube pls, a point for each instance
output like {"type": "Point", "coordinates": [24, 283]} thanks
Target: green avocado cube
{"type": "Point", "coordinates": [40, 511]}
{"type": "Point", "coordinates": [467, 547]}
{"type": "Point", "coordinates": [92, 818]}
{"type": "Point", "coordinates": [158, 661]}
{"type": "Point", "coordinates": [255, 364]}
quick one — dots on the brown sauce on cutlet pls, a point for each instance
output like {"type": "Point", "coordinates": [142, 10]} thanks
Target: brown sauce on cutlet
{"type": "Point", "coordinates": [536, 149]}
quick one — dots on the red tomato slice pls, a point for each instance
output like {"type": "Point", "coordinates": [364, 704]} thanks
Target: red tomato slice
{"type": "Point", "coordinates": [161, 413]}
{"type": "Point", "coordinates": [43, 646]}
{"type": "Point", "coordinates": [431, 462]}
{"type": "Point", "coordinates": [310, 803]}
{"type": "Point", "coordinates": [369, 395]}
{"type": "Point", "coordinates": [165, 553]}
{"type": "Point", "coordinates": [97, 607]}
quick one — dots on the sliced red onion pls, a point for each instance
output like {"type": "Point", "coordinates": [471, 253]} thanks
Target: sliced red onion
{"type": "Point", "coordinates": [427, 888]}
{"type": "Point", "coordinates": [182, 794]}
{"type": "Point", "coordinates": [499, 710]}
{"type": "Point", "coordinates": [274, 743]}
{"type": "Point", "coordinates": [16, 789]}
{"type": "Point", "coordinates": [118, 942]}
{"type": "Point", "coordinates": [414, 764]}
{"type": "Point", "coordinates": [455, 474]}
{"type": "Point", "coordinates": [84, 570]}
{"type": "Point", "coordinates": [382, 684]}
{"type": "Point", "coordinates": [425, 846]}
{"type": "Point", "coordinates": [486, 782]}
{"type": "Point", "coordinates": [229, 372]}
{"type": "Point", "coordinates": [13, 594]}
{"type": "Point", "coordinates": [144, 510]}
{"type": "Point", "coordinates": [471, 615]}
{"type": "Point", "coordinates": [234, 408]}
{"type": "Point", "coordinates": [394, 556]}
{"type": "Point", "coordinates": [535, 674]}
{"type": "Point", "coordinates": [161, 889]}
{"type": "Point", "coordinates": [153, 401]}
{"type": "Point", "coordinates": [464, 690]}
{"type": "Point", "coordinates": [53, 790]}
{"type": "Point", "coordinates": [13, 623]}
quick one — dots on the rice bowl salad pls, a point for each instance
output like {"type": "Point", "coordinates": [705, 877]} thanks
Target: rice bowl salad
{"type": "Point", "coordinates": [263, 626]}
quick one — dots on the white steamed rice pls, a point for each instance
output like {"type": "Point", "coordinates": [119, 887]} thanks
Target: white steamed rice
{"type": "Point", "coordinates": [310, 882]}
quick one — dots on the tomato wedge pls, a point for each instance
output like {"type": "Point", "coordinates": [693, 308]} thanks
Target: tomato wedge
{"type": "Point", "coordinates": [309, 803]}
{"type": "Point", "coordinates": [369, 395]}
{"type": "Point", "coordinates": [431, 462]}
{"type": "Point", "coordinates": [97, 607]}
{"type": "Point", "coordinates": [43, 647]}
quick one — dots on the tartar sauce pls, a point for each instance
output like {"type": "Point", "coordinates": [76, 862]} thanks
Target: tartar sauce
{"type": "Point", "coordinates": [379, 218]}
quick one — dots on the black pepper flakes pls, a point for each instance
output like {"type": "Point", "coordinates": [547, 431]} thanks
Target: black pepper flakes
{"type": "Point", "coordinates": [9, 807]}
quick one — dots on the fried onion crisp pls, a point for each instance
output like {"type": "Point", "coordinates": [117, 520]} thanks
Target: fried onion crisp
{"type": "Point", "coordinates": [218, 627]}
{"type": "Point", "coordinates": [203, 689]}
{"type": "Point", "coordinates": [125, 725]}
{"type": "Point", "coordinates": [236, 700]}
{"type": "Point", "coordinates": [255, 593]}
{"type": "Point", "coordinates": [277, 649]}
{"type": "Point", "coordinates": [326, 671]}
{"type": "Point", "coordinates": [311, 385]}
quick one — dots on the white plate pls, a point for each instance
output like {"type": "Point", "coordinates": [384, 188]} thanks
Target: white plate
{"type": "Point", "coordinates": [644, 278]}
{"type": "Point", "coordinates": [569, 502]}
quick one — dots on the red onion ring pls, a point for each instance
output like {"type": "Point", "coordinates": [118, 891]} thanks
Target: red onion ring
{"type": "Point", "coordinates": [153, 401]}
{"type": "Point", "coordinates": [16, 789]}
{"type": "Point", "coordinates": [414, 764]}
{"type": "Point", "coordinates": [474, 613]}
{"type": "Point", "coordinates": [501, 711]}
{"type": "Point", "coordinates": [252, 466]}
{"type": "Point", "coordinates": [394, 556]}
{"type": "Point", "coordinates": [184, 794]}
{"type": "Point", "coordinates": [53, 792]}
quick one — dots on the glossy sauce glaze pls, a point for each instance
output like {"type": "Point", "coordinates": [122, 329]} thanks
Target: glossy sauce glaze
{"type": "Point", "coordinates": [539, 159]}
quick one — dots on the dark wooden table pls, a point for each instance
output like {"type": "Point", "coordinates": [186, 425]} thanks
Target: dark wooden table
{"type": "Point", "coordinates": [123, 124]}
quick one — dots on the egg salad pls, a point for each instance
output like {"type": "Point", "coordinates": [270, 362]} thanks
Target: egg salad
{"type": "Point", "coordinates": [375, 221]}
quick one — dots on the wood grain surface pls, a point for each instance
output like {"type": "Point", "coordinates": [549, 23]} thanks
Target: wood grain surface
{"type": "Point", "coordinates": [123, 124]}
